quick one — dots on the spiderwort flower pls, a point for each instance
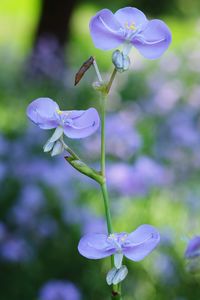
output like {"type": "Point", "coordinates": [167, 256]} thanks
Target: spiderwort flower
{"type": "Point", "coordinates": [75, 124]}
{"type": "Point", "coordinates": [134, 246]}
{"type": "Point", "coordinates": [129, 26]}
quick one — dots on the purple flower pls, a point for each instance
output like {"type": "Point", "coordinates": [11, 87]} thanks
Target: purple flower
{"type": "Point", "coordinates": [75, 124]}
{"type": "Point", "coordinates": [134, 246]}
{"type": "Point", "coordinates": [59, 290]}
{"type": "Point", "coordinates": [193, 248]}
{"type": "Point", "coordinates": [15, 250]}
{"type": "Point", "coordinates": [130, 26]}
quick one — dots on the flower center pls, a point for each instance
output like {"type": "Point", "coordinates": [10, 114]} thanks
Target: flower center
{"type": "Point", "coordinates": [117, 239]}
{"type": "Point", "coordinates": [131, 26]}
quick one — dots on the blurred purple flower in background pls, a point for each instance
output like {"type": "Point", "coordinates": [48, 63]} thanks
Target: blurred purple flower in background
{"type": "Point", "coordinates": [28, 207]}
{"type": "Point", "coordinates": [15, 249]}
{"type": "Point", "coordinates": [193, 248]}
{"type": "Point", "coordinates": [130, 26]}
{"type": "Point", "coordinates": [134, 246]}
{"type": "Point", "coordinates": [139, 178]}
{"type": "Point", "coordinates": [93, 224]}
{"type": "Point", "coordinates": [164, 268]}
{"type": "Point", "coordinates": [47, 60]}
{"type": "Point", "coordinates": [59, 290]}
{"type": "Point", "coordinates": [122, 141]}
{"type": "Point", "coordinates": [46, 113]}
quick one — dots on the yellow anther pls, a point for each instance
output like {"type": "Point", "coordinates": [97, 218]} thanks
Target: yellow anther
{"type": "Point", "coordinates": [60, 112]}
{"type": "Point", "coordinates": [124, 237]}
{"type": "Point", "coordinates": [130, 27]}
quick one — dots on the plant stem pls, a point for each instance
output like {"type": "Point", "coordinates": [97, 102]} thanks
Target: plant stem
{"type": "Point", "coordinates": [103, 156]}
{"type": "Point", "coordinates": [69, 150]}
{"type": "Point", "coordinates": [116, 289]}
{"type": "Point", "coordinates": [107, 207]}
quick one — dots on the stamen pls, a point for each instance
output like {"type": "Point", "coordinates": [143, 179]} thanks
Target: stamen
{"type": "Point", "coordinates": [130, 27]}
{"type": "Point", "coordinates": [59, 112]}
{"type": "Point", "coordinates": [123, 238]}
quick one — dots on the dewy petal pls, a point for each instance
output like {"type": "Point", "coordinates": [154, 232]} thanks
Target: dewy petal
{"type": "Point", "coordinates": [42, 112]}
{"type": "Point", "coordinates": [154, 40]}
{"type": "Point", "coordinates": [95, 246]}
{"type": "Point", "coordinates": [82, 126]}
{"type": "Point", "coordinates": [141, 242]}
{"type": "Point", "coordinates": [105, 30]}
{"type": "Point", "coordinates": [128, 16]}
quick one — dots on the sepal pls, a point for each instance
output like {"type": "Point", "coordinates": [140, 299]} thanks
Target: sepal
{"type": "Point", "coordinates": [48, 146]}
{"type": "Point", "coordinates": [57, 148]}
{"type": "Point", "coordinates": [56, 135]}
{"type": "Point", "coordinates": [115, 275]}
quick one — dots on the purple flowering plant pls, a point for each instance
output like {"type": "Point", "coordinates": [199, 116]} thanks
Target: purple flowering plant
{"type": "Point", "coordinates": [128, 27]}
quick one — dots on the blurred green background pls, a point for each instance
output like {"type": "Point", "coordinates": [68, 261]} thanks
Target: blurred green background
{"type": "Point", "coordinates": [153, 157]}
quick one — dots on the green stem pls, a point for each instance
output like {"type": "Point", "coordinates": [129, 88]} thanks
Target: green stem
{"type": "Point", "coordinates": [107, 207]}
{"type": "Point", "coordinates": [116, 289]}
{"type": "Point", "coordinates": [69, 150]}
{"type": "Point", "coordinates": [103, 156]}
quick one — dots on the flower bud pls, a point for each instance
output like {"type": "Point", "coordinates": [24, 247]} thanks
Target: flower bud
{"type": "Point", "coordinates": [121, 61]}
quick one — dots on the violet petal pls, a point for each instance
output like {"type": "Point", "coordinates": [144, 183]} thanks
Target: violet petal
{"type": "Point", "coordinates": [42, 112]}
{"type": "Point", "coordinates": [82, 126]}
{"type": "Point", "coordinates": [141, 242]}
{"type": "Point", "coordinates": [154, 40]}
{"type": "Point", "coordinates": [106, 30]}
{"type": "Point", "coordinates": [131, 15]}
{"type": "Point", "coordinates": [95, 246]}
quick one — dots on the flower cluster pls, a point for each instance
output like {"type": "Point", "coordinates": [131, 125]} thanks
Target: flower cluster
{"type": "Point", "coordinates": [129, 27]}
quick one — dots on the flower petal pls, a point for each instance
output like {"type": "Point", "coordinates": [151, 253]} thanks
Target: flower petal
{"type": "Point", "coordinates": [142, 241]}
{"type": "Point", "coordinates": [42, 112]}
{"type": "Point", "coordinates": [131, 15]}
{"type": "Point", "coordinates": [82, 125]}
{"type": "Point", "coordinates": [154, 40]}
{"type": "Point", "coordinates": [95, 246]}
{"type": "Point", "coordinates": [106, 30]}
